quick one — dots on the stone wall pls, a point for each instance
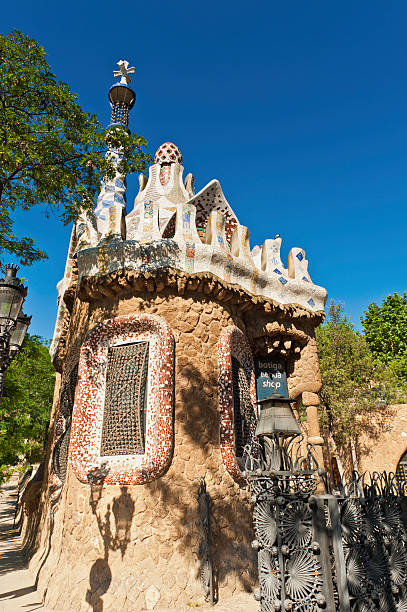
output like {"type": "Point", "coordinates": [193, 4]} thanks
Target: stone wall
{"type": "Point", "coordinates": [383, 440]}
{"type": "Point", "coordinates": [137, 547]}
{"type": "Point", "coordinates": [378, 447]}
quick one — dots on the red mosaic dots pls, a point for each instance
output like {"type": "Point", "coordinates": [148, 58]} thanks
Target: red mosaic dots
{"type": "Point", "coordinates": [87, 419]}
{"type": "Point", "coordinates": [233, 342]}
{"type": "Point", "coordinates": [168, 153]}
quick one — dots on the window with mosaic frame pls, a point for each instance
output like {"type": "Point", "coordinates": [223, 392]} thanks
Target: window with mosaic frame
{"type": "Point", "coordinates": [122, 427]}
{"type": "Point", "coordinates": [242, 407]}
{"type": "Point", "coordinates": [61, 445]}
{"type": "Point", "coordinates": [401, 473]}
{"type": "Point", "coordinates": [237, 398]}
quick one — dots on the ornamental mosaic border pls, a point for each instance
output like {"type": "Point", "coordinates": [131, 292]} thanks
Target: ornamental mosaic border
{"type": "Point", "coordinates": [62, 424]}
{"type": "Point", "coordinates": [259, 273]}
{"type": "Point", "coordinates": [87, 463]}
{"type": "Point", "coordinates": [232, 341]}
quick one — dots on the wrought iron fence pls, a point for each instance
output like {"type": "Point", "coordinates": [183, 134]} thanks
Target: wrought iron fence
{"type": "Point", "coordinates": [344, 550]}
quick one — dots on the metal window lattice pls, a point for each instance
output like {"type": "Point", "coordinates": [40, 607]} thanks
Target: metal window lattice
{"type": "Point", "coordinates": [242, 407]}
{"type": "Point", "coordinates": [123, 430]}
{"type": "Point", "coordinates": [61, 449]}
{"type": "Point", "coordinates": [401, 473]}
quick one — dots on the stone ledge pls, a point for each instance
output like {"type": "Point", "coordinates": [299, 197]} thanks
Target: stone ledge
{"type": "Point", "coordinates": [121, 282]}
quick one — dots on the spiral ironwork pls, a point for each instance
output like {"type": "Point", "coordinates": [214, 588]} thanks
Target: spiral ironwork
{"type": "Point", "coordinates": [363, 605]}
{"type": "Point", "coordinates": [266, 526]}
{"type": "Point", "coordinates": [402, 603]}
{"type": "Point", "coordinates": [356, 571]}
{"type": "Point", "coordinates": [303, 576]}
{"type": "Point", "coordinates": [398, 564]}
{"type": "Point", "coordinates": [296, 524]}
{"type": "Point", "coordinates": [270, 577]}
{"type": "Point", "coordinates": [351, 519]}
{"type": "Point", "coordinates": [385, 602]}
{"type": "Point", "coordinates": [346, 551]}
{"type": "Point", "coordinates": [373, 519]}
{"type": "Point", "coordinates": [391, 516]}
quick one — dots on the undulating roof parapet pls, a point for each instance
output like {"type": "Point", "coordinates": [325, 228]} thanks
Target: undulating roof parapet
{"type": "Point", "coordinates": [171, 227]}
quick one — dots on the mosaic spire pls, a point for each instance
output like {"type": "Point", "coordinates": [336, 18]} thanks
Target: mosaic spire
{"type": "Point", "coordinates": [122, 99]}
{"type": "Point", "coordinates": [121, 96]}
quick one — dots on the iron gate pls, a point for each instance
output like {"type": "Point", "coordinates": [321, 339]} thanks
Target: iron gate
{"type": "Point", "coordinates": [342, 552]}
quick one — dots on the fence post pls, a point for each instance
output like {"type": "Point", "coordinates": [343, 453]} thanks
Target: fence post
{"type": "Point", "coordinates": [320, 530]}
{"type": "Point", "coordinates": [340, 565]}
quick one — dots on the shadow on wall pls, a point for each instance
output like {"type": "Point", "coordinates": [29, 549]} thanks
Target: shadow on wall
{"type": "Point", "coordinates": [197, 428]}
{"type": "Point", "coordinates": [197, 455]}
{"type": "Point", "coordinates": [372, 427]}
{"type": "Point", "coordinates": [114, 527]}
{"type": "Point", "coordinates": [197, 437]}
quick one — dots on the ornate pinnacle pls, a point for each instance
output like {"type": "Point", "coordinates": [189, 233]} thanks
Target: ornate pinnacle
{"type": "Point", "coordinates": [124, 72]}
{"type": "Point", "coordinates": [121, 95]}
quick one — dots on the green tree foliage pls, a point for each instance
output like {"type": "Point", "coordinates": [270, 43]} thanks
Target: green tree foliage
{"type": "Point", "coordinates": [52, 152]}
{"type": "Point", "coordinates": [26, 404]}
{"type": "Point", "coordinates": [351, 379]}
{"type": "Point", "coordinates": [385, 329]}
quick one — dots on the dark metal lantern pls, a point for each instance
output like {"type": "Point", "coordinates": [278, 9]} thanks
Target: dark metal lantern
{"type": "Point", "coordinates": [277, 417]}
{"type": "Point", "coordinates": [13, 323]}
{"type": "Point", "coordinates": [18, 333]}
{"type": "Point", "coordinates": [12, 294]}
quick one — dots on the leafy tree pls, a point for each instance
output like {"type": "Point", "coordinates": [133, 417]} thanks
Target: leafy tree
{"type": "Point", "coordinates": [52, 152]}
{"type": "Point", "coordinates": [26, 404]}
{"type": "Point", "coordinates": [350, 376]}
{"type": "Point", "coordinates": [385, 329]}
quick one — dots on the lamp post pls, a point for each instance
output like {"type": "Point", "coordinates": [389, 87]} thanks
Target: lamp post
{"type": "Point", "coordinates": [13, 322]}
{"type": "Point", "coordinates": [276, 426]}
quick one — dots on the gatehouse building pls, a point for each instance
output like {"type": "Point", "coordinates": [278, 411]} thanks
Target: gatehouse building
{"type": "Point", "coordinates": [170, 328]}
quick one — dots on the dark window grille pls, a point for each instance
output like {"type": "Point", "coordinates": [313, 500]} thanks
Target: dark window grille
{"type": "Point", "coordinates": [401, 473]}
{"type": "Point", "coordinates": [124, 418]}
{"type": "Point", "coordinates": [242, 407]}
{"type": "Point", "coordinates": [61, 448]}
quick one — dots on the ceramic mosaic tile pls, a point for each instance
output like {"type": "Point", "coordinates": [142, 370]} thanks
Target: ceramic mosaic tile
{"type": "Point", "coordinates": [233, 342]}
{"type": "Point", "coordinates": [86, 435]}
{"type": "Point", "coordinates": [63, 420]}
{"type": "Point", "coordinates": [151, 243]}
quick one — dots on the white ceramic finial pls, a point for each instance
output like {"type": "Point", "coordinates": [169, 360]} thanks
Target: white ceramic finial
{"type": "Point", "coordinates": [124, 72]}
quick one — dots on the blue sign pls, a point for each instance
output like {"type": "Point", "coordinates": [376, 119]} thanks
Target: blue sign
{"type": "Point", "coordinates": [271, 377]}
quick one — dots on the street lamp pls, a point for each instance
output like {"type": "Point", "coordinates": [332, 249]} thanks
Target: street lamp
{"type": "Point", "coordinates": [277, 417]}
{"type": "Point", "coordinates": [276, 427]}
{"type": "Point", "coordinates": [13, 323]}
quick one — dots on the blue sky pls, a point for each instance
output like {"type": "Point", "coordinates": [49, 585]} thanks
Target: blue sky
{"type": "Point", "coordinates": [298, 108]}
